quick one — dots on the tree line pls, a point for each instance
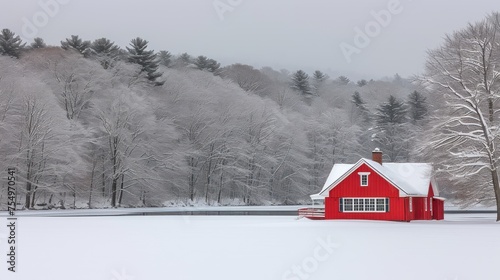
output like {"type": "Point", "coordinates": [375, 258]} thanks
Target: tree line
{"type": "Point", "coordinates": [89, 124]}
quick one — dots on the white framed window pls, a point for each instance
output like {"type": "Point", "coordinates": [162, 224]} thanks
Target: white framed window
{"type": "Point", "coordinates": [430, 204]}
{"type": "Point", "coordinates": [364, 205]}
{"type": "Point", "coordinates": [411, 204]}
{"type": "Point", "coordinates": [363, 178]}
{"type": "Point", "coordinates": [425, 204]}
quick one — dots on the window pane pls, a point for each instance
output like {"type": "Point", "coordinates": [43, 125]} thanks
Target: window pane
{"type": "Point", "coordinates": [370, 204]}
{"type": "Point", "coordinates": [347, 204]}
{"type": "Point", "coordinates": [380, 204]}
{"type": "Point", "coordinates": [364, 180]}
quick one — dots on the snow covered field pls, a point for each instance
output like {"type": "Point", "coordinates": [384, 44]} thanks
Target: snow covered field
{"type": "Point", "coordinates": [257, 248]}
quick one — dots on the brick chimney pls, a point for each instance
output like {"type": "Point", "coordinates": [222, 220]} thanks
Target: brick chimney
{"type": "Point", "coordinates": [377, 155]}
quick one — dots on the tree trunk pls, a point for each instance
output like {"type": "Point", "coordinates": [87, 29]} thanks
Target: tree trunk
{"type": "Point", "coordinates": [28, 196]}
{"type": "Point", "coordinates": [121, 191]}
{"type": "Point", "coordinates": [33, 192]}
{"type": "Point", "coordinates": [496, 188]}
{"type": "Point", "coordinates": [113, 192]}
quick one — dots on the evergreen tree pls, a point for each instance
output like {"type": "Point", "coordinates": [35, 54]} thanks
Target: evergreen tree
{"type": "Point", "coordinates": [165, 58]}
{"type": "Point", "coordinates": [319, 79]}
{"type": "Point", "coordinates": [360, 106]}
{"type": "Point", "coordinates": [391, 112]}
{"type": "Point", "coordinates": [204, 63]}
{"type": "Point", "coordinates": [146, 59]}
{"type": "Point", "coordinates": [77, 44]}
{"type": "Point", "coordinates": [319, 76]}
{"type": "Point", "coordinates": [417, 107]}
{"type": "Point", "coordinates": [201, 62]}
{"type": "Point", "coordinates": [362, 83]}
{"type": "Point", "coordinates": [300, 82]}
{"type": "Point", "coordinates": [105, 51]}
{"type": "Point", "coordinates": [392, 133]}
{"type": "Point", "coordinates": [185, 59]}
{"type": "Point", "coordinates": [343, 80]}
{"type": "Point", "coordinates": [10, 44]}
{"type": "Point", "coordinates": [38, 43]}
{"type": "Point", "coordinates": [213, 66]}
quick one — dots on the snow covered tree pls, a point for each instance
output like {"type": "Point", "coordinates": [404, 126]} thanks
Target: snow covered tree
{"type": "Point", "coordinates": [343, 80]}
{"type": "Point", "coordinates": [463, 72]}
{"type": "Point", "coordinates": [300, 82]}
{"type": "Point", "coordinates": [10, 44]}
{"type": "Point", "coordinates": [76, 43]}
{"type": "Point", "coordinates": [362, 83]}
{"type": "Point", "coordinates": [392, 132]}
{"type": "Point", "coordinates": [38, 43]}
{"type": "Point", "coordinates": [392, 112]}
{"type": "Point", "coordinates": [319, 79]}
{"type": "Point", "coordinates": [319, 76]}
{"type": "Point", "coordinates": [185, 59]}
{"type": "Point", "coordinates": [146, 59]}
{"type": "Point", "coordinates": [165, 58]}
{"type": "Point", "coordinates": [105, 51]}
{"type": "Point", "coordinates": [204, 63]}
{"type": "Point", "coordinates": [417, 104]}
{"type": "Point", "coordinates": [360, 109]}
{"type": "Point", "coordinates": [248, 78]}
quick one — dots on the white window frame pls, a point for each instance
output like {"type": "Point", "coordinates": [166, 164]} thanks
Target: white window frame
{"type": "Point", "coordinates": [425, 204]}
{"type": "Point", "coordinates": [430, 204]}
{"type": "Point", "coordinates": [365, 175]}
{"type": "Point", "coordinates": [411, 204]}
{"type": "Point", "coordinates": [365, 204]}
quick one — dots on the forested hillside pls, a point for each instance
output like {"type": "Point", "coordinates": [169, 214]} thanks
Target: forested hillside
{"type": "Point", "coordinates": [88, 124]}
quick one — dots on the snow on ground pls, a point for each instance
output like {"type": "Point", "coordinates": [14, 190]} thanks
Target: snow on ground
{"type": "Point", "coordinates": [465, 246]}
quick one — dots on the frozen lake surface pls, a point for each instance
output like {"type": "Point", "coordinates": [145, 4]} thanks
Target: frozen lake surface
{"type": "Point", "coordinates": [252, 247]}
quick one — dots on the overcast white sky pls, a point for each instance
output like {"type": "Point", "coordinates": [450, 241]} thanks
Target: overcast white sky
{"type": "Point", "coordinates": [291, 34]}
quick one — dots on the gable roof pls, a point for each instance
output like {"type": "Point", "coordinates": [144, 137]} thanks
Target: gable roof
{"type": "Point", "coordinates": [411, 179]}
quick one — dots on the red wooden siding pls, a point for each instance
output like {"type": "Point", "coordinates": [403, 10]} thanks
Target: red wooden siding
{"type": "Point", "coordinates": [378, 187]}
{"type": "Point", "coordinates": [396, 211]}
{"type": "Point", "coordinates": [351, 186]}
{"type": "Point", "coordinates": [438, 209]}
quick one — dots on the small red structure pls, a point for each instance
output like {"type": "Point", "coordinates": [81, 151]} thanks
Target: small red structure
{"type": "Point", "coordinates": [372, 190]}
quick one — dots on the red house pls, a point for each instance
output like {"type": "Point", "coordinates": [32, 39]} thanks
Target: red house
{"type": "Point", "coordinates": [373, 190]}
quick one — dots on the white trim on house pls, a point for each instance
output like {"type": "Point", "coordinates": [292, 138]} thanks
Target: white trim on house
{"type": "Point", "coordinates": [364, 204]}
{"type": "Point", "coordinates": [363, 178]}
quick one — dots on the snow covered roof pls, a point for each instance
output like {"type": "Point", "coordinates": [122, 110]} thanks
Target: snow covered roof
{"type": "Point", "coordinates": [412, 179]}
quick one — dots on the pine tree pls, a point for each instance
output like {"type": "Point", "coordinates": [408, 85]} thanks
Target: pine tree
{"type": "Point", "coordinates": [391, 112]}
{"type": "Point", "coordinates": [319, 79]}
{"type": "Point", "coordinates": [201, 62]}
{"type": "Point", "coordinates": [319, 76]}
{"type": "Point", "coordinates": [38, 43]}
{"type": "Point", "coordinates": [300, 82]}
{"type": "Point", "coordinates": [360, 106]}
{"type": "Point", "coordinates": [165, 58]}
{"type": "Point", "coordinates": [77, 44]}
{"type": "Point", "coordinates": [213, 66]}
{"type": "Point", "coordinates": [343, 80]}
{"type": "Point", "coordinates": [10, 44]}
{"type": "Point", "coordinates": [204, 63]}
{"type": "Point", "coordinates": [185, 59]}
{"type": "Point", "coordinates": [392, 133]}
{"type": "Point", "coordinates": [417, 107]}
{"type": "Point", "coordinates": [362, 83]}
{"type": "Point", "coordinates": [105, 51]}
{"type": "Point", "coordinates": [146, 59]}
